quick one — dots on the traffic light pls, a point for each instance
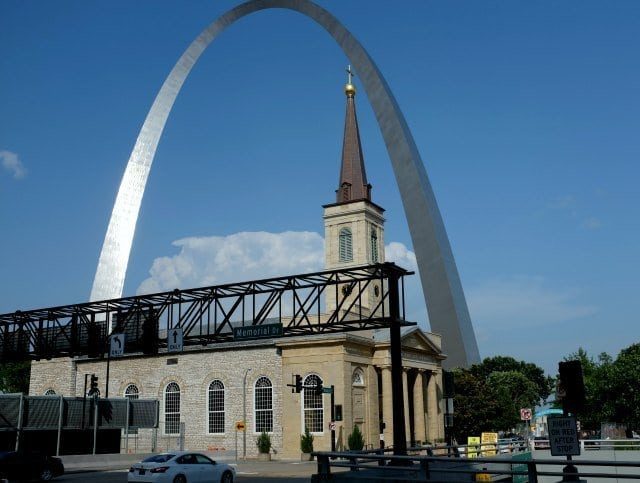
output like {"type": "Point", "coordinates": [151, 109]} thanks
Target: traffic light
{"type": "Point", "coordinates": [149, 339]}
{"type": "Point", "coordinates": [448, 383]}
{"type": "Point", "coordinates": [94, 344]}
{"type": "Point", "coordinates": [93, 386]}
{"type": "Point", "coordinates": [571, 386]}
{"type": "Point", "coordinates": [318, 388]}
{"type": "Point", "coordinates": [298, 383]}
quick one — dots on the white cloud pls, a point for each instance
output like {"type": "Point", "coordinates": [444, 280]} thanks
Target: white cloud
{"type": "Point", "coordinates": [12, 164]}
{"type": "Point", "coordinates": [503, 302]}
{"type": "Point", "coordinates": [523, 302]}
{"type": "Point", "coordinates": [213, 260]}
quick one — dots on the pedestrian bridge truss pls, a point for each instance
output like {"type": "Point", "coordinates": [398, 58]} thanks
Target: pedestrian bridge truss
{"type": "Point", "coordinates": [294, 305]}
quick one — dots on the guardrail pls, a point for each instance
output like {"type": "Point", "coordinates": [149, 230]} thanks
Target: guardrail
{"type": "Point", "coordinates": [595, 444]}
{"type": "Point", "coordinates": [377, 466]}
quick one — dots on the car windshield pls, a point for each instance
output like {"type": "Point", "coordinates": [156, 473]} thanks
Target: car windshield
{"type": "Point", "coordinates": [159, 458]}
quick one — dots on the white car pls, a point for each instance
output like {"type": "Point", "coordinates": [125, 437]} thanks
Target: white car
{"type": "Point", "coordinates": [181, 467]}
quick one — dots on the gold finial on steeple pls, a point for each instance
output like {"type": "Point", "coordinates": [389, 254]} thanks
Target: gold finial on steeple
{"type": "Point", "coordinates": [349, 89]}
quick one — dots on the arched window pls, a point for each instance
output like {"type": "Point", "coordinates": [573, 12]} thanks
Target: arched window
{"type": "Point", "coordinates": [172, 409]}
{"type": "Point", "coordinates": [263, 405]}
{"type": "Point", "coordinates": [216, 407]}
{"type": "Point", "coordinates": [312, 405]}
{"type": "Point", "coordinates": [132, 392]}
{"type": "Point", "coordinates": [49, 392]}
{"type": "Point", "coordinates": [374, 246]}
{"type": "Point", "coordinates": [345, 245]}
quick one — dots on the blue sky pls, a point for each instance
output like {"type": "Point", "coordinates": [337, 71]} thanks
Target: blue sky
{"type": "Point", "coordinates": [526, 114]}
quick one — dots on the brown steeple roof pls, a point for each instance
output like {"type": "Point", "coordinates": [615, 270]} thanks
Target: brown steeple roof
{"type": "Point", "coordinates": [353, 184]}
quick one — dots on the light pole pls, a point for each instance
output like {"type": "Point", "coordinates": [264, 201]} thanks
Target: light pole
{"type": "Point", "coordinates": [244, 413]}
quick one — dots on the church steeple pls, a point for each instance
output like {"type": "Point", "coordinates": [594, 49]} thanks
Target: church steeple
{"type": "Point", "coordinates": [353, 184]}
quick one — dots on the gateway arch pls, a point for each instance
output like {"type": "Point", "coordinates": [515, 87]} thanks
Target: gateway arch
{"type": "Point", "coordinates": [444, 297]}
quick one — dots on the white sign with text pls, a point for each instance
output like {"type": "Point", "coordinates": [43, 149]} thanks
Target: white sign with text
{"type": "Point", "coordinates": [563, 436]}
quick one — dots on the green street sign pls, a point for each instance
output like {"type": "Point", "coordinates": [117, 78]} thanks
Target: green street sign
{"type": "Point", "coordinates": [265, 331]}
{"type": "Point", "coordinates": [327, 390]}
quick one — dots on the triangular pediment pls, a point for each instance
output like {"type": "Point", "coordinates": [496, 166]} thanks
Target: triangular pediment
{"type": "Point", "coordinates": [418, 340]}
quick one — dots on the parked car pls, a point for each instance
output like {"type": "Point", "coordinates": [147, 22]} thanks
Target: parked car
{"type": "Point", "coordinates": [181, 467]}
{"type": "Point", "coordinates": [29, 466]}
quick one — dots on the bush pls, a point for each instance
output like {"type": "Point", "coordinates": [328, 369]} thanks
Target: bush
{"type": "Point", "coordinates": [264, 443]}
{"type": "Point", "coordinates": [356, 441]}
{"type": "Point", "coordinates": [306, 441]}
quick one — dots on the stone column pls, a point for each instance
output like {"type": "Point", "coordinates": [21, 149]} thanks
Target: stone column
{"type": "Point", "coordinates": [418, 408]}
{"type": "Point", "coordinates": [387, 405]}
{"type": "Point", "coordinates": [405, 390]}
{"type": "Point", "coordinates": [432, 408]}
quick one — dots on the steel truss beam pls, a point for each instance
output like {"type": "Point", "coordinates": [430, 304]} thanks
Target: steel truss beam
{"type": "Point", "coordinates": [208, 315]}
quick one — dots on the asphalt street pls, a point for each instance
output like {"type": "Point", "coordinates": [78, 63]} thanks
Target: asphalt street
{"type": "Point", "coordinates": [120, 476]}
{"type": "Point", "coordinates": [249, 472]}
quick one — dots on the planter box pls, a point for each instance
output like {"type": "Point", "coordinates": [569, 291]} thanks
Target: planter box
{"type": "Point", "coordinates": [264, 456]}
{"type": "Point", "coordinates": [306, 457]}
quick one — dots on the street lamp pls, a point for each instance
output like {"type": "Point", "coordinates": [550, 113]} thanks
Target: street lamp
{"type": "Point", "coordinates": [244, 413]}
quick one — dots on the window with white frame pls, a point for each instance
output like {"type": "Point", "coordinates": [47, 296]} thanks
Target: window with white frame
{"type": "Point", "coordinates": [131, 392]}
{"type": "Point", "coordinates": [312, 405]}
{"type": "Point", "coordinates": [345, 245]}
{"type": "Point", "coordinates": [172, 408]}
{"type": "Point", "coordinates": [374, 246]}
{"type": "Point", "coordinates": [263, 405]}
{"type": "Point", "coordinates": [49, 392]}
{"type": "Point", "coordinates": [216, 407]}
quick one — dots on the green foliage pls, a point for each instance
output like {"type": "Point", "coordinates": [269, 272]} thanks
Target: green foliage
{"type": "Point", "coordinates": [355, 440]}
{"type": "Point", "coordinates": [306, 441]}
{"type": "Point", "coordinates": [611, 388]}
{"type": "Point", "coordinates": [535, 374]}
{"type": "Point", "coordinates": [264, 443]}
{"type": "Point", "coordinates": [14, 377]}
{"type": "Point", "coordinates": [488, 396]}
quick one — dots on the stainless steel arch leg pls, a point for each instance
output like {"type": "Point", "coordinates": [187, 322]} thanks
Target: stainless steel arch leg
{"type": "Point", "coordinates": [448, 313]}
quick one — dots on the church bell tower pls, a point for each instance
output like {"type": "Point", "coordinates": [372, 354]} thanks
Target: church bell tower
{"type": "Point", "coordinates": [353, 225]}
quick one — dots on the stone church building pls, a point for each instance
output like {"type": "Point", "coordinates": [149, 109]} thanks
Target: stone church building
{"type": "Point", "coordinates": [205, 391]}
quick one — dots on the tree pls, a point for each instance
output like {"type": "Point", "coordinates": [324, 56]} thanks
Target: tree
{"type": "Point", "coordinates": [489, 396]}
{"type": "Point", "coordinates": [625, 387]}
{"type": "Point", "coordinates": [475, 408]}
{"type": "Point", "coordinates": [512, 391]}
{"type": "Point", "coordinates": [611, 388]}
{"type": "Point", "coordinates": [14, 377]}
{"type": "Point", "coordinates": [535, 374]}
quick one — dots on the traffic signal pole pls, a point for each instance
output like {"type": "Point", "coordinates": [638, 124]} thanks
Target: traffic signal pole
{"type": "Point", "coordinates": [333, 418]}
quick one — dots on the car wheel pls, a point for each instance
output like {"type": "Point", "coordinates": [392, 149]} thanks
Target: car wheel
{"type": "Point", "coordinates": [180, 479]}
{"type": "Point", "coordinates": [46, 474]}
{"type": "Point", "coordinates": [227, 477]}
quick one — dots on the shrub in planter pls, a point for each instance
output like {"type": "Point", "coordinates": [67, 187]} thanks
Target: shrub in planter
{"type": "Point", "coordinates": [356, 441]}
{"type": "Point", "coordinates": [306, 441]}
{"type": "Point", "coordinates": [264, 443]}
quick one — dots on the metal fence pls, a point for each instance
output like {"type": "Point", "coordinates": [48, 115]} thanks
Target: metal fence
{"type": "Point", "coordinates": [20, 413]}
{"type": "Point", "coordinates": [513, 463]}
